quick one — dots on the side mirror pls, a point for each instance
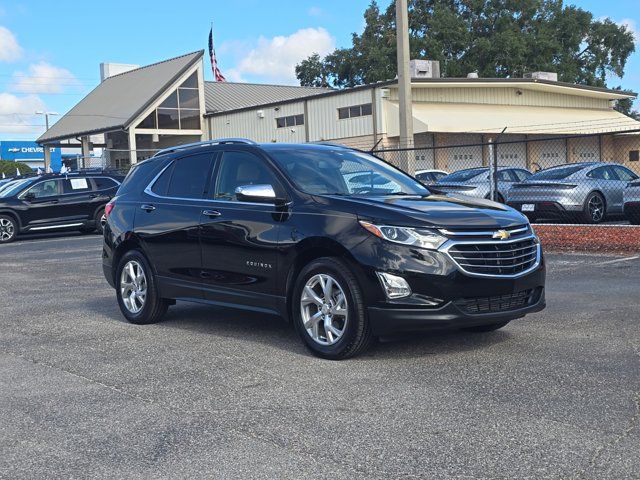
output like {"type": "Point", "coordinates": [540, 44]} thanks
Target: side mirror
{"type": "Point", "coordinates": [262, 193]}
{"type": "Point", "coordinates": [30, 196]}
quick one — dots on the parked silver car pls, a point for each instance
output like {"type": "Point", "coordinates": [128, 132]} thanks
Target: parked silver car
{"type": "Point", "coordinates": [631, 198]}
{"type": "Point", "coordinates": [429, 177]}
{"type": "Point", "coordinates": [590, 191]}
{"type": "Point", "coordinates": [475, 181]}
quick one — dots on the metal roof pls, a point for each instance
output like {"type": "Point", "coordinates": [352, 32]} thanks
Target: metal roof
{"type": "Point", "coordinates": [223, 96]}
{"type": "Point", "coordinates": [115, 102]}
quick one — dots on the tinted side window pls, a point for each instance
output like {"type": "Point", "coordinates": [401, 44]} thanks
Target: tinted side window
{"type": "Point", "coordinates": [49, 188]}
{"type": "Point", "coordinates": [505, 176]}
{"type": "Point", "coordinates": [242, 168]}
{"type": "Point", "coordinates": [103, 183]}
{"type": "Point", "coordinates": [76, 185]}
{"type": "Point", "coordinates": [162, 183]}
{"type": "Point", "coordinates": [190, 176]}
{"type": "Point", "coordinates": [522, 174]}
{"type": "Point", "coordinates": [625, 174]}
{"type": "Point", "coordinates": [601, 173]}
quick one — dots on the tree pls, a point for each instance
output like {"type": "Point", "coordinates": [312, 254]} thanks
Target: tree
{"type": "Point", "coordinates": [496, 38]}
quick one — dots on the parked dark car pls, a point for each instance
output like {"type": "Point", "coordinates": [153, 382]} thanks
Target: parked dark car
{"type": "Point", "coordinates": [277, 229]}
{"type": "Point", "coordinates": [53, 202]}
{"type": "Point", "coordinates": [590, 192]}
{"type": "Point", "coordinates": [632, 202]}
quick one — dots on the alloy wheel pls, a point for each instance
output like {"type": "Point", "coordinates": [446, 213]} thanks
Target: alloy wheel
{"type": "Point", "coordinates": [103, 220]}
{"type": "Point", "coordinates": [324, 309]}
{"type": "Point", "coordinates": [596, 208]}
{"type": "Point", "coordinates": [133, 286]}
{"type": "Point", "coordinates": [7, 229]}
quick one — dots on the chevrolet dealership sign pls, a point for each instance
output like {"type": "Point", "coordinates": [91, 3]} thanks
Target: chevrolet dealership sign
{"type": "Point", "coordinates": [18, 150]}
{"type": "Point", "coordinates": [30, 153]}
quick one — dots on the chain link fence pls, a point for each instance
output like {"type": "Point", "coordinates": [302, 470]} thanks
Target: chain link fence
{"type": "Point", "coordinates": [568, 179]}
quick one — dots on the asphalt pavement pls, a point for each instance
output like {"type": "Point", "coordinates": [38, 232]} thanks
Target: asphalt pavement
{"type": "Point", "coordinates": [216, 393]}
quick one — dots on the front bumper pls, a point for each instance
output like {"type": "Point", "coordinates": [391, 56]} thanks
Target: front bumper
{"type": "Point", "coordinates": [387, 321]}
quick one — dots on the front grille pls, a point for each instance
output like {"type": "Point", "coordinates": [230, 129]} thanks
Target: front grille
{"type": "Point", "coordinates": [496, 258]}
{"type": "Point", "coordinates": [500, 303]}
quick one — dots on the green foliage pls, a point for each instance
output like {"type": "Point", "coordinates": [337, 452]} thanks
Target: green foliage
{"type": "Point", "coordinates": [496, 38]}
{"type": "Point", "coordinates": [9, 168]}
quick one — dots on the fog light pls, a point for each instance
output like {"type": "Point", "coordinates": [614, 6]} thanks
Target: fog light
{"type": "Point", "coordinates": [394, 286]}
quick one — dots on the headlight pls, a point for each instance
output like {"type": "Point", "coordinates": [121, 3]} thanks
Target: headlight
{"type": "Point", "coordinates": [418, 237]}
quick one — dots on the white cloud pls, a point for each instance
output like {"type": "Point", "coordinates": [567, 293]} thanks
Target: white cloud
{"type": "Point", "coordinates": [44, 78]}
{"type": "Point", "coordinates": [10, 49]}
{"type": "Point", "coordinates": [274, 59]}
{"type": "Point", "coordinates": [632, 27]}
{"type": "Point", "coordinates": [17, 114]}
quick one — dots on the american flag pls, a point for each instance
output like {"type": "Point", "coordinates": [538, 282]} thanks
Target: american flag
{"type": "Point", "coordinates": [217, 74]}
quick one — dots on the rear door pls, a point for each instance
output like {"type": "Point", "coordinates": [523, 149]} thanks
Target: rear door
{"type": "Point", "coordinates": [606, 181]}
{"type": "Point", "coordinates": [76, 199]}
{"type": "Point", "coordinates": [240, 239]}
{"type": "Point", "coordinates": [168, 221]}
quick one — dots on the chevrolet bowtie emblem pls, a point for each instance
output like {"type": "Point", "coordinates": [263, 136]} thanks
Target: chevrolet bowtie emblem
{"type": "Point", "coordinates": [501, 234]}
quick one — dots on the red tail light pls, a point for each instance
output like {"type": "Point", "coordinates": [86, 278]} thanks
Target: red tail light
{"type": "Point", "coordinates": [107, 209]}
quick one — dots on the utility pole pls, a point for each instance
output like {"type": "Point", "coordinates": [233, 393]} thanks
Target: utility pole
{"type": "Point", "coordinates": [404, 86]}
{"type": "Point", "coordinates": [46, 117]}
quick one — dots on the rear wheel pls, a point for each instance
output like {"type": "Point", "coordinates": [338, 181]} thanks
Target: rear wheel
{"type": "Point", "coordinates": [329, 312]}
{"type": "Point", "coordinates": [100, 220]}
{"type": "Point", "coordinates": [634, 219]}
{"type": "Point", "coordinates": [8, 229]}
{"type": "Point", "coordinates": [594, 208]}
{"type": "Point", "coordinates": [137, 291]}
{"type": "Point", "coordinates": [486, 328]}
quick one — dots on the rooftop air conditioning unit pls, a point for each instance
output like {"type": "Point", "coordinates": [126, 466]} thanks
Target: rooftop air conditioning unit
{"type": "Point", "coordinates": [550, 76]}
{"type": "Point", "coordinates": [424, 68]}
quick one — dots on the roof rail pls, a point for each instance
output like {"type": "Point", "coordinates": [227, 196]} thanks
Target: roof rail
{"type": "Point", "coordinates": [206, 143]}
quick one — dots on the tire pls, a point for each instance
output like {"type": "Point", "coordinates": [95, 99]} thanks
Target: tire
{"type": "Point", "coordinates": [594, 203]}
{"type": "Point", "coordinates": [8, 229]}
{"type": "Point", "coordinates": [137, 309]}
{"type": "Point", "coordinates": [100, 219]}
{"type": "Point", "coordinates": [634, 219]}
{"type": "Point", "coordinates": [486, 328]}
{"type": "Point", "coordinates": [351, 332]}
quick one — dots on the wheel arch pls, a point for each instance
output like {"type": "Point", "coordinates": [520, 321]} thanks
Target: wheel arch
{"type": "Point", "coordinates": [131, 242]}
{"type": "Point", "coordinates": [309, 250]}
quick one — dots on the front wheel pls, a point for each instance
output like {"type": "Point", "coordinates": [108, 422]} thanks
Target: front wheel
{"type": "Point", "coordinates": [8, 229]}
{"type": "Point", "coordinates": [137, 290]}
{"type": "Point", "coordinates": [329, 312]}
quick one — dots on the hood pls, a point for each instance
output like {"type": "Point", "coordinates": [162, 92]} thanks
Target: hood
{"type": "Point", "coordinates": [453, 211]}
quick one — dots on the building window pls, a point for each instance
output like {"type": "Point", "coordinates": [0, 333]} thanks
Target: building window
{"type": "Point", "coordinates": [634, 155]}
{"type": "Point", "coordinates": [354, 111]}
{"type": "Point", "coordinates": [179, 111]}
{"type": "Point", "coordinates": [290, 121]}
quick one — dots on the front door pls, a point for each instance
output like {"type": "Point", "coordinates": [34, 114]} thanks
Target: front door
{"type": "Point", "coordinates": [239, 239]}
{"type": "Point", "coordinates": [43, 206]}
{"type": "Point", "coordinates": [76, 199]}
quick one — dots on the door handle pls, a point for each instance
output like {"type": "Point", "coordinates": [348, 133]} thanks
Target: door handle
{"type": "Point", "coordinates": [147, 207]}
{"type": "Point", "coordinates": [94, 195]}
{"type": "Point", "coordinates": [211, 213]}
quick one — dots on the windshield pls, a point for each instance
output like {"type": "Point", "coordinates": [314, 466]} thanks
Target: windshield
{"type": "Point", "coordinates": [555, 173]}
{"type": "Point", "coordinates": [13, 187]}
{"type": "Point", "coordinates": [319, 171]}
{"type": "Point", "coordinates": [463, 175]}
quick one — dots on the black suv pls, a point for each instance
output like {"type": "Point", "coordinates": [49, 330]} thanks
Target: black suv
{"type": "Point", "coordinates": [53, 201]}
{"type": "Point", "coordinates": [277, 228]}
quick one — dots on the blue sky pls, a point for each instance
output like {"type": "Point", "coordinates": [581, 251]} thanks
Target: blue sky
{"type": "Point", "coordinates": [50, 51]}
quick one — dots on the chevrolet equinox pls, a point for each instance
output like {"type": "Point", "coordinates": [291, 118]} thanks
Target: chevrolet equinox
{"type": "Point", "coordinates": [285, 229]}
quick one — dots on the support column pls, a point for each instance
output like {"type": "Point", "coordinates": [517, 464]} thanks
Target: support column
{"type": "Point", "coordinates": [404, 86]}
{"type": "Point", "coordinates": [133, 156]}
{"type": "Point", "coordinates": [47, 157]}
{"type": "Point", "coordinates": [486, 150]}
{"type": "Point", "coordinates": [441, 155]}
{"type": "Point", "coordinates": [86, 151]}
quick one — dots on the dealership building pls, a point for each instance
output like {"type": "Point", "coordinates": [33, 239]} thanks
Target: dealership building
{"type": "Point", "coordinates": [135, 111]}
